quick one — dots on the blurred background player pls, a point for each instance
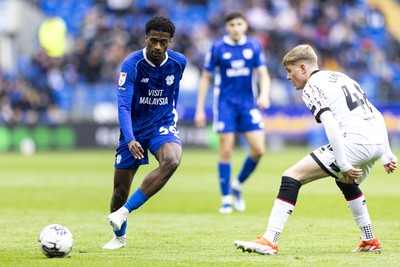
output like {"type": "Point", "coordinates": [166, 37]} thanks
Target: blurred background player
{"type": "Point", "coordinates": [147, 97]}
{"type": "Point", "coordinates": [237, 102]}
{"type": "Point", "coordinates": [357, 138]}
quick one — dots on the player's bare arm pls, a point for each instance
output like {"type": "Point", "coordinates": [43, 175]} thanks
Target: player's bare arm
{"type": "Point", "coordinates": [263, 100]}
{"type": "Point", "coordinates": [200, 115]}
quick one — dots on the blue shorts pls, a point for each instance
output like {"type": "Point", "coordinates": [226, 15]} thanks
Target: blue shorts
{"type": "Point", "coordinates": [231, 118]}
{"type": "Point", "coordinates": [124, 158]}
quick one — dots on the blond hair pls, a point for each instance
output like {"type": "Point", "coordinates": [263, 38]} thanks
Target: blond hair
{"type": "Point", "coordinates": [302, 52]}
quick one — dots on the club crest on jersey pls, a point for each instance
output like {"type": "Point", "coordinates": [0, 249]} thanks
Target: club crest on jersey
{"type": "Point", "coordinates": [247, 53]}
{"type": "Point", "coordinates": [122, 78]}
{"type": "Point", "coordinates": [170, 80]}
{"type": "Point", "coordinates": [226, 55]}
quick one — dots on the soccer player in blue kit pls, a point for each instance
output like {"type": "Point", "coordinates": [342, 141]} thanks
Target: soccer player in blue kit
{"type": "Point", "coordinates": [147, 97]}
{"type": "Point", "coordinates": [237, 104]}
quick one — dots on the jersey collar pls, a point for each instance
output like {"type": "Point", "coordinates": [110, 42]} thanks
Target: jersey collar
{"type": "Point", "coordinates": [151, 63]}
{"type": "Point", "coordinates": [312, 73]}
{"type": "Point", "coordinates": [229, 40]}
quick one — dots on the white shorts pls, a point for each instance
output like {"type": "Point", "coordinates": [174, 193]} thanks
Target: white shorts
{"type": "Point", "coordinates": [359, 155]}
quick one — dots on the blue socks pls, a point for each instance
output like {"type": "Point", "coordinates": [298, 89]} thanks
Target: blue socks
{"type": "Point", "coordinates": [224, 171]}
{"type": "Point", "coordinates": [136, 200]}
{"type": "Point", "coordinates": [122, 231]}
{"type": "Point", "coordinates": [248, 167]}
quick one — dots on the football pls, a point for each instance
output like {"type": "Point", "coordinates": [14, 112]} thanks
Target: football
{"type": "Point", "coordinates": [55, 241]}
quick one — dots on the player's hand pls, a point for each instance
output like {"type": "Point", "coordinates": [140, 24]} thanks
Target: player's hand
{"type": "Point", "coordinates": [263, 102]}
{"type": "Point", "coordinates": [200, 118]}
{"type": "Point", "coordinates": [352, 174]}
{"type": "Point", "coordinates": [136, 149]}
{"type": "Point", "coordinates": [391, 166]}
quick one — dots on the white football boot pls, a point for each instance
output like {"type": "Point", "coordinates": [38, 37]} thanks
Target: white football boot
{"type": "Point", "coordinates": [238, 202]}
{"type": "Point", "coordinates": [116, 242]}
{"type": "Point", "coordinates": [226, 207]}
{"type": "Point", "coordinates": [260, 245]}
{"type": "Point", "coordinates": [117, 218]}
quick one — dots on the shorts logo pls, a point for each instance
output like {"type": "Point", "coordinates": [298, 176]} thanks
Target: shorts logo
{"type": "Point", "coordinates": [144, 80]}
{"type": "Point", "coordinates": [170, 80]}
{"type": "Point", "coordinates": [220, 126]}
{"type": "Point", "coordinates": [334, 167]}
{"type": "Point", "coordinates": [118, 159]}
{"type": "Point", "coordinates": [122, 78]}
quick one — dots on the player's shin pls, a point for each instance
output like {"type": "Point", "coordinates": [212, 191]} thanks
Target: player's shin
{"type": "Point", "coordinates": [248, 167]}
{"type": "Point", "coordinates": [359, 211]}
{"type": "Point", "coordinates": [224, 171]}
{"type": "Point", "coordinates": [358, 208]}
{"type": "Point", "coordinates": [136, 200]}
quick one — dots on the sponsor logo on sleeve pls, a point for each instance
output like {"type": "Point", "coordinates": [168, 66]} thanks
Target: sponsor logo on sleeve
{"type": "Point", "coordinates": [122, 78]}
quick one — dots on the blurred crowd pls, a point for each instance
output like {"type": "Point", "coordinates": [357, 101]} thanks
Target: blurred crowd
{"type": "Point", "coordinates": [349, 35]}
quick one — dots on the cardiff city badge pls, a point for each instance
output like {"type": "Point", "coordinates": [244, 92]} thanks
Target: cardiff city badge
{"type": "Point", "coordinates": [170, 80]}
{"type": "Point", "coordinates": [122, 78]}
{"type": "Point", "coordinates": [247, 53]}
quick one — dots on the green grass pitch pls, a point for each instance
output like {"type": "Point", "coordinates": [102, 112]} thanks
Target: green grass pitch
{"type": "Point", "coordinates": [180, 226]}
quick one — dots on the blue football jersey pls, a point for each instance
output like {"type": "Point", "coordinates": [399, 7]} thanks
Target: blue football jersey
{"type": "Point", "coordinates": [233, 64]}
{"type": "Point", "coordinates": [148, 94]}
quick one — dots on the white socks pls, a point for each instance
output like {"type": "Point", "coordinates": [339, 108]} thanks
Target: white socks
{"type": "Point", "coordinates": [279, 215]}
{"type": "Point", "coordinates": [282, 210]}
{"type": "Point", "coordinates": [358, 208]}
{"type": "Point", "coordinates": [226, 200]}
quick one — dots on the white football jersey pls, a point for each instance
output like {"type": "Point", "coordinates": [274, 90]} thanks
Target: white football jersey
{"type": "Point", "coordinates": [335, 91]}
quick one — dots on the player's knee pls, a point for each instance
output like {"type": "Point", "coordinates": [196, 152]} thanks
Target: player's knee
{"type": "Point", "coordinates": [289, 189]}
{"type": "Point", "coordinates": [350, 191]}
{"type": "Point", "coordinates": [170, 164]}
{"type": "Point", "coordinates": [289, 173]}
{"type": "Point", "coordinates": [257, 153]}
{"type": "Point", "coordinates": [225, 154]}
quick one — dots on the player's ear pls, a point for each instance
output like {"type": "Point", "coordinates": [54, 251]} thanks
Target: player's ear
{"type": "Point", "coordinates": [303, 67]}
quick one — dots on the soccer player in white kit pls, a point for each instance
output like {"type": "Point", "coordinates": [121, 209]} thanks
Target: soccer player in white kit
{"type": "Point", "coordinates": [357, 139]}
